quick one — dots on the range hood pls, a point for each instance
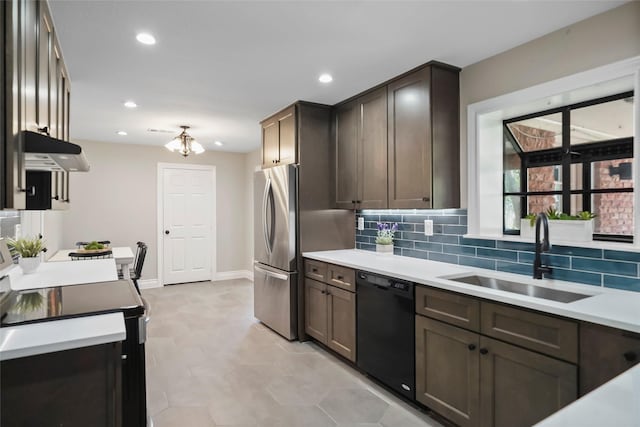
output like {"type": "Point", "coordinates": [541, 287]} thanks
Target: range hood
{"type": "Point", "coordinates": [45, 153]}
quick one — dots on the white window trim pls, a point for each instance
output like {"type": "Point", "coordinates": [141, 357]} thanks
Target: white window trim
{"type": "Point", "coordinates": [484, 130]}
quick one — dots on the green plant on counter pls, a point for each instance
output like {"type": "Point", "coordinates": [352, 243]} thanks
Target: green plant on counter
{"type": "Point", "coordinates": [26, 247]}
{"type": "Point", "coordinates": [585, 216]}
{"type": "Point", "coordinates": [552, 213]}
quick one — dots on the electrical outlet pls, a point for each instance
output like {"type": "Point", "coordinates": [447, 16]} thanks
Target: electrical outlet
{"type": "Point", "coordinates": [360, 223]}
{"type": "Point", "coordinates": [428, 227]}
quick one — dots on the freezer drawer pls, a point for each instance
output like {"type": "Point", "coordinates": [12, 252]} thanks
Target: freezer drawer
{"type": "Point", "coordinates": [274, 299]}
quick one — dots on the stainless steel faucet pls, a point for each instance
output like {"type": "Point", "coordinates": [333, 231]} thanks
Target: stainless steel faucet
{"type": "Point", "coordinates": [544, 246]}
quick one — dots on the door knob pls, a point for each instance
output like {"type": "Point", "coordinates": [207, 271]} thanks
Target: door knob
{"type": "Point", "coordinates": [166, 231]}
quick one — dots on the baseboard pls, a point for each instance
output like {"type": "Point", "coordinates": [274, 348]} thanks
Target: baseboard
{"type": "Point", "coordinates": [236, 274]}
{"type": "Point", "coordinates": [149, 283]}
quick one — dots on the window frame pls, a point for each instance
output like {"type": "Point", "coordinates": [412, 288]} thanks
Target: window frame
{"type": "Point", "coordinates": [565, 156]}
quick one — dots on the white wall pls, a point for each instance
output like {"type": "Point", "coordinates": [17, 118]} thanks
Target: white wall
{"type": "Point", "coordinates": [599, 40]}
{"type": "Point", "coordinates": [116, 201]}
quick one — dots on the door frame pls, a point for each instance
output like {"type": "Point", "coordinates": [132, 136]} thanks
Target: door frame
{"type": "Point", "coordinates": [160, 214]}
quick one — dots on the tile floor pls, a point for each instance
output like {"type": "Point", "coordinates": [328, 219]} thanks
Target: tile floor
{"type": "Point", "coordinates": [210, 363]}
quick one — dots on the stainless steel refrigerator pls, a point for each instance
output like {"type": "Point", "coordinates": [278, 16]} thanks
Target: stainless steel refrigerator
{"type": "Point", "coordinates": [275, 267]}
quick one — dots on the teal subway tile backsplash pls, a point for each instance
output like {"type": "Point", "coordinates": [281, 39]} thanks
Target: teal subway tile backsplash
{"type": "Point", "coordinates": [615, 269]}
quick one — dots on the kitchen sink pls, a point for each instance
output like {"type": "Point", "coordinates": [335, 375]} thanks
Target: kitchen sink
{"type": "Point", "coordinates": [521, 288]}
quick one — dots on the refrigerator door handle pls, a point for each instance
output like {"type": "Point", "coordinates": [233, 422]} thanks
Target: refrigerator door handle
{"type": "Point", "coordinates": [265, 226]}
{"type": "Point", "coordinates": [269, 273]}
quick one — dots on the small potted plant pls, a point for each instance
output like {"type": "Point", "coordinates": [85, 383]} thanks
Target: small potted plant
{"type": "Point", "coordinates": [562, 226]}
{"type": "Point", "coordinates": [384, 239]}
{"type": "Point", "coordinates": [29, 250]}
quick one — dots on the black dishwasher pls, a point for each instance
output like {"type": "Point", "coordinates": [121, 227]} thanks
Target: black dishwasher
{"type": "Point", "coordinates": [386, 325]}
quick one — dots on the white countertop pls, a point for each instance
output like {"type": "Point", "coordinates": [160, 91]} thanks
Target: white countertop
{"type": "Point", "coordinates": [59, 335]}
{"type": "Point", "coordinates": [64, 273]}
{"type": "Point", "coordinates": [609, 307]}
{"type": "Point", "coordinates": [615, 403]}
{"type": "Point", "coordinates": [122, 255]}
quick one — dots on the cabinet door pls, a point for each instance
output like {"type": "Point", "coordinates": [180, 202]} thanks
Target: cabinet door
{"type": "Point", "coordinates": [341, 322]}
{"type": "Point", "coordinates": [372, 156]}
{"type": "Point", "coordinates": [604, 354]}
{"type": "Point", "coordinates": [44, 69]}
{"type": "Point", "coordinates": [270, 143]}
{"type": "Point", "coordinates": [448, 371]}
{"type": "Point", "coordinates": [346, 146]}
{"type": "Point", "coordinates": [315, 309]}
{"type": "Point", "coordinates": [30, 58]}
{"type": "Point", "coordinates": [409, 115]}
{"type": "Point", "coordinates": [287, 137]}
{"type": "Point", "coordinates": [518, 387]}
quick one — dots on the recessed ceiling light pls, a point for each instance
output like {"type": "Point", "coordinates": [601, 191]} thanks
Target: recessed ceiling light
{"type": "Point", "coordinates": [218, 143]}
{"type": "Point", "coordinates": [130, 104]}
{"type": "Point", "coordinates": [146, 38]}
{"type": "Point", "coordinates": [122, 133]}
{"type": "Point", "coordinates": [325, 78]}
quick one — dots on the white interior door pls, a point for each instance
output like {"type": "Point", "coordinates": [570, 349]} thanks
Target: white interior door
{"type": "Point", "coordinates": [188, 221]}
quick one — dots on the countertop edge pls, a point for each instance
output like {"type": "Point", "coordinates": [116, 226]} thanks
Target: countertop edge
{"type": "Point", "coordinates": [59, 335]}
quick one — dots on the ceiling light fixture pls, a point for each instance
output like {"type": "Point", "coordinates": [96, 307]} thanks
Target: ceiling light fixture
{"type": "Point", "coordinates": [218, 143]}
{"type": "Point", "coordinates": [184, 144]}
{"type": "Point", "coordinates": [146, 38]}
{"type": "Point", "coordinates": [325, 78]}
{"type": "Point", "coordinates": [122, 133]}
{"type": "Point", "coordinates": [130, 104]}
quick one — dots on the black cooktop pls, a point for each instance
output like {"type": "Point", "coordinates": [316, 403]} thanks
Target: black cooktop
{"type": "Point", "coordinates": [60, 302]}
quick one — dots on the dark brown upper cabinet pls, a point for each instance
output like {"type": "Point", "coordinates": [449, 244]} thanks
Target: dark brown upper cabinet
{"type": "Point", "coordinates": [361, 152]}
{"type": "Point", "coordinates": [424, 139]}
{"type": "Point", "coordinates": [279, 138]}
{"type": "Point", "coordinates": [35, 98]}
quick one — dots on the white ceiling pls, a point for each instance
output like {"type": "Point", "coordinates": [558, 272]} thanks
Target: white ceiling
{"type": "Point", "coordinates": [223, 66]}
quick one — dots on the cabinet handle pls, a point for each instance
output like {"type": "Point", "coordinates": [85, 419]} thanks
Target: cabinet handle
{"type": "Point", "coordinates": [315, 270]}
{"type": "Point", "coordinates": [484, 351]}
{"type": "Point", "coordinates": [340, 277]}
{"type": "Point", "coordinates": [358, 201]}
{"type": "Point", "coordinates": [426, 199]}
{"type": "Point", "coordinates": [322, 292]}
{"type": "Point", "coordinates": [471, 347]}
{"type": "Point", "coordinates": [353, 201]}
{"type": "Point", "coordinates": [630, 356]}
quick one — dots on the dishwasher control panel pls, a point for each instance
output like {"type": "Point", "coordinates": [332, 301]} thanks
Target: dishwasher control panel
{"type": "Point", "coordinates": [384, 282]}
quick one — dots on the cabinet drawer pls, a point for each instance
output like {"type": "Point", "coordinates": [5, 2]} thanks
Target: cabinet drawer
{"type": "Point", "coordinates": [341, 277]}
{"type": "Point", "coordinates": [315, 270]}
{"type": "Point", "coordinates": [449, 307]}
{"type": "Point", "coordinates": [539, 332]}
{"type": "Point", "coordinates": [604, 354]}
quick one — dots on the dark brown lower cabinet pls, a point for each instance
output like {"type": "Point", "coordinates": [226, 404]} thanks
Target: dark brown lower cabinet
{"type": "Point", "coordinates": [448, 370]}
{"type": "Point", "coordinates": [315, 309]}
{"type": "Point", "coordinates": [604, 354]}
{"type": "Point", "coordinates": [330, 317]}
{"type": "Point", "coordinates": [519, 387]}
{"type": "Point", "coordinates": [341, 321]}
{"type": "Point", "coordinates": [79, 387]}
{"type": "Point", "coordinates": [474, 380]}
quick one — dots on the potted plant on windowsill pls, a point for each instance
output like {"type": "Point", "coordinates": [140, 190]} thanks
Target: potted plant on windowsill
{"type": "Point", "coordinates": [29, 250]}
{"type": "Point", "coordinates": [562, 226]}
{"type": "Point", "coordinates": [384, 239]}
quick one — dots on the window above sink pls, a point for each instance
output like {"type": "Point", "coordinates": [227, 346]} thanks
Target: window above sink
{"type": "Point", "coordinates": [488, 191]}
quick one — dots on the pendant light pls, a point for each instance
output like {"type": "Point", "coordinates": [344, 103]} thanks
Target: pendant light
{"type": "Point", "coordinates": [184, 144]}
